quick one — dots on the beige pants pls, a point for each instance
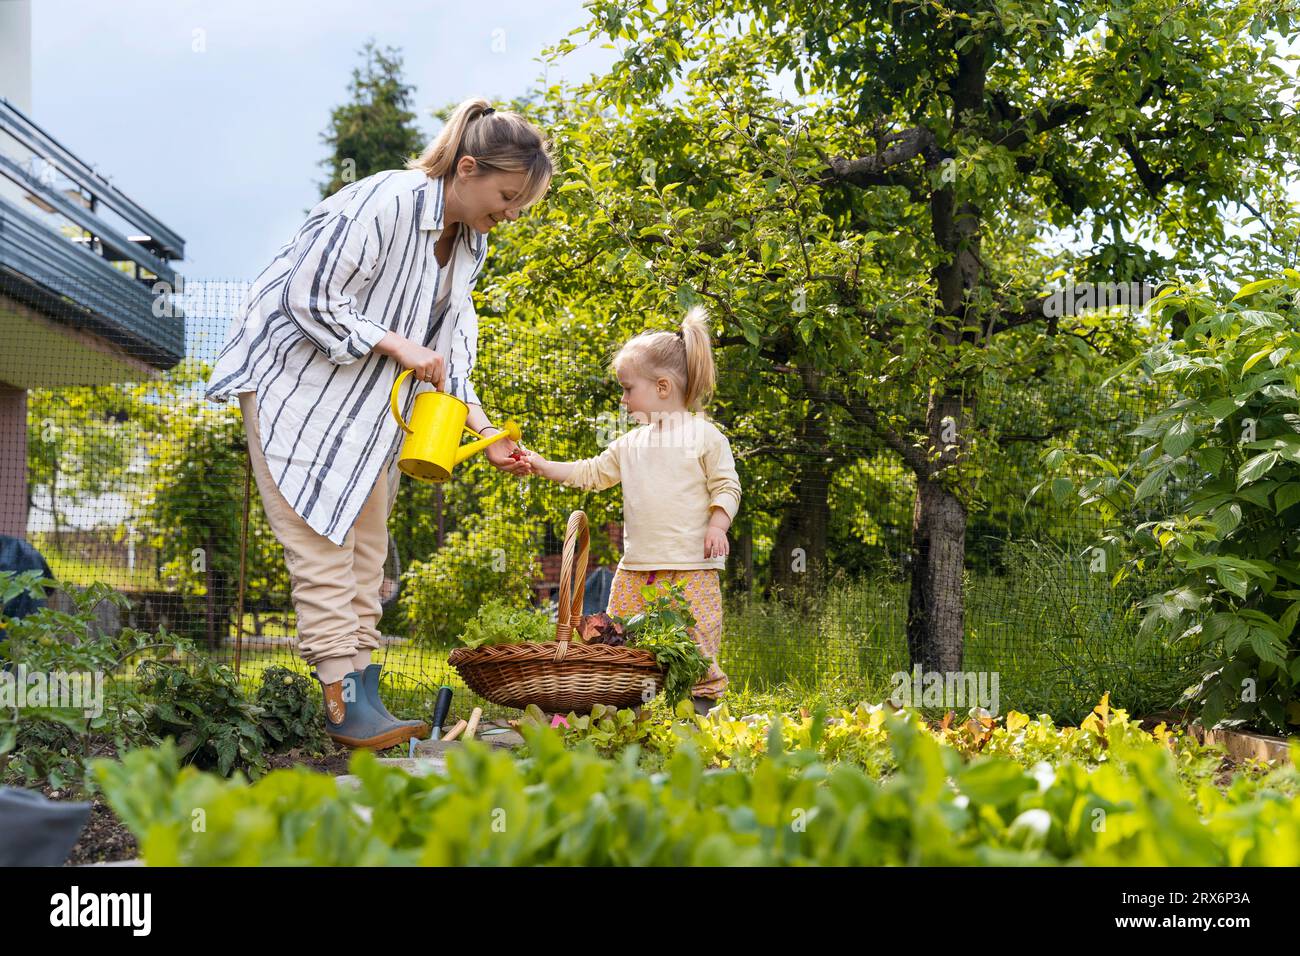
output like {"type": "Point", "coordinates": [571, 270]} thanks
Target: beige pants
{"type": "Point", "coordinates": [335, 589]}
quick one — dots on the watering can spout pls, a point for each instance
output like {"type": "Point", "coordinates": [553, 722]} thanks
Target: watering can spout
{"type": "Point", "coordinates": [432, 446]}
{"type": "Point", "coordinates": [508, 430]}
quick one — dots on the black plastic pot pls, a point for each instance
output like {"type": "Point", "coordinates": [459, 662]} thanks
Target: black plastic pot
{"type": "Point", "coordinates": [36, 831]}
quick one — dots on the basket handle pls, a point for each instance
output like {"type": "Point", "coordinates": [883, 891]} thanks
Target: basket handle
{"type": "Point", "coordinates": [577, 543]}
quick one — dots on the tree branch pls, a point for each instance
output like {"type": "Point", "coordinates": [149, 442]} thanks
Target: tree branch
{"type": "Point", "coordinates": [1048, 116]}
{"type": "Point", "coordinates": [1151, 181]}
{"type": "Point", "coordinates": [882, 168]}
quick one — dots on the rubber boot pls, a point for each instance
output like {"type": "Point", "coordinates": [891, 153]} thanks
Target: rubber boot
{"type": "Point", "coordinates": [370, 681]}
{"type": "Point", "coordinates": [351, 720]}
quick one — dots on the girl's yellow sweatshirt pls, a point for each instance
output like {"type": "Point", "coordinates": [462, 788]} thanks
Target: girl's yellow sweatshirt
{"type": "Point", "coordinates": [672, 475]}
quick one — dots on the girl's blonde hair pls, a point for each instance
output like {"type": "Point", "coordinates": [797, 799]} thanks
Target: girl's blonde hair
{"type": "Point", "coordinates": [685, 356]}
{"type": "Point", "coordinates": [501, 141]}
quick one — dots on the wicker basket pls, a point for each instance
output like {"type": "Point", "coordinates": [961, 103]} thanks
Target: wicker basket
{"type": "Point", "coordinates": [562, 675]}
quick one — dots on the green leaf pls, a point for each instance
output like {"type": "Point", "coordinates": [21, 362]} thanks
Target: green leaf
{"type": "Point", "coordinates": [1256, 468]}
{"type": "Point", "coordinates": [1227, 518]}
{"type": "Point", "coordinates": [1250, 288]}
{"type": "Point", "coordinates": [994, 784]}
{"type": "Point", "coordinates": [1180, 437]}
{"type": "Point", "coordinates": [1211, 458]}
{"type": "Point", "coordinates": [1221, 408]}
{"type": "Point", "coordinates": [1286, 496]}
{"type": "Point", "coordinates": [1266, 646]}
{"type": "Point", "coordinates": [1232, 579]}
{"type": "Point", "coordinates": [1062, 489]}
{"type": "Point", "coordinates": [1152, 483]}
{"type": "Point", "coordinates": [1251, 362]}
{"type": "Point", "coordinates": [1286, 626]}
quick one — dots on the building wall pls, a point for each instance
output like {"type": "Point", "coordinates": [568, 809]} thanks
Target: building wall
{"type": "Point", "coordinates": [16, 87]}
{"type": "Point", "coordinates": [16, 53]}
{"type": "Point", "coordinates": [13, 459]}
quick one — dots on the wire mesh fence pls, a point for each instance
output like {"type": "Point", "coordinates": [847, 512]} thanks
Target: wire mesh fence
{"type": "Point", "coordinates": [117, 469]}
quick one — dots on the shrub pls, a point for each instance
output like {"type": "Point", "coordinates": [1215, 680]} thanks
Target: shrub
{"type": "Point", "coordinates": [488, 557]}
{"type": "Point", "coordinates": [1212, 500]}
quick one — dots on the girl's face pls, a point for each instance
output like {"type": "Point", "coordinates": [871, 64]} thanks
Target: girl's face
{"type": "Point", "coordinates": [644, 397]}
{"type": "Point", "coordinates": [484, 198]}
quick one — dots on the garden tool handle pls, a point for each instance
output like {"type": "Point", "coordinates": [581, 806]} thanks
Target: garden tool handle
{"type": "Point", "coordinates": [440, 709]}
{"type": "Point", "coordinates": [392, 402]}
{"type": "Point", "coordinates": [474, 718]}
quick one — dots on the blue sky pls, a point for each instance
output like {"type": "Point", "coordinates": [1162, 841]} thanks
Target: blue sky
{"type": "Point", "coordinates": [223, 145]}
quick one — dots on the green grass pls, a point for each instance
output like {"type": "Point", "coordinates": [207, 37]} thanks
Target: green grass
{"type": "Point", "coordinates": [74, 569]}
{"type": "Point", "coordinates": [1057, 636]}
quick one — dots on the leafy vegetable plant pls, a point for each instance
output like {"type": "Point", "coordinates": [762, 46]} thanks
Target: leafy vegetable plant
{"type": "Point", "coordinates": [663, 629]}
{"type": "Point", "coordinates": [291, 710]}
{"type": "Point", "coordinates": [498, 623]}
{"type": "Point", "coordinates": [201, 705]}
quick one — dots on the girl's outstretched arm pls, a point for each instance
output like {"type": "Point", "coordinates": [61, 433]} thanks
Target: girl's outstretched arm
{"type": "Point", "coordinates": [589, 474]}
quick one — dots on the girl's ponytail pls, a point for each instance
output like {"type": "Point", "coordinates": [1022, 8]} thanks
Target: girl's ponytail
{"type": "Point", "coordinates": [701, 377]}
{"type": "Point", "coordinates": [685, 355]}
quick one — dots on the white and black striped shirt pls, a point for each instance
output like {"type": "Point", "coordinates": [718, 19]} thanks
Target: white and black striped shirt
{"type": "Point", "coordinates": [362, 265]}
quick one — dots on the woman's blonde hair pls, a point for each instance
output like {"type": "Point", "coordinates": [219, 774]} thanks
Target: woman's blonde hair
{"type": "Point", "coordinates": [500, 140]}
{"type": "Point", "coordinates": [684, 356]}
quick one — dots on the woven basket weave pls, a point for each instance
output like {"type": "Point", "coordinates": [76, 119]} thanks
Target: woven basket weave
{"type": "Point", "coordinates": [562, 675]}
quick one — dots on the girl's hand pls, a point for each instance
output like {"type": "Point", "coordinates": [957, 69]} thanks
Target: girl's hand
{"type": "Point", "coordinates": [536, 463]}
{"type": "Point", "coordinates": [715, 543]}
{"type": "Point", "coordinates": [509, 457]}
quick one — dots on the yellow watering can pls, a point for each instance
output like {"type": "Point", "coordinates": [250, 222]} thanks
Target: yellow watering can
{"type": "Point", "coordinates": [432, 446]}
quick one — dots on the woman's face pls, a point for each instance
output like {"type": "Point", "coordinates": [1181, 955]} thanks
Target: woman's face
{"type": "Point", "coordinates": [485, 198]}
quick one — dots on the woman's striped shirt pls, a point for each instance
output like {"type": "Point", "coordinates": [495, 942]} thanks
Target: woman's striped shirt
{"type": "Point", "coordinates": [362, 265]}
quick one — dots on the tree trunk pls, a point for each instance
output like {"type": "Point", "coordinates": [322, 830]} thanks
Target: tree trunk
{"type": "Point", "coordinates": [936, 604]}
{"type": "Point", "coordinates": [440, 503]}
{"type": "Point", "coordinates": [54, 506]}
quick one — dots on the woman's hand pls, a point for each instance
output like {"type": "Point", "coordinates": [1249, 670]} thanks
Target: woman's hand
{"type": "Point", "coordinates": [509, 457]}
{"type": "Point", "coordinates": [715, 543]}
{"type": "Point", "coordinates": [427, 365]}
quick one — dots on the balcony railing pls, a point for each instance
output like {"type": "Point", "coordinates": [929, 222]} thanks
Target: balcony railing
{"type": "Point", "coordinates": [62, 255]}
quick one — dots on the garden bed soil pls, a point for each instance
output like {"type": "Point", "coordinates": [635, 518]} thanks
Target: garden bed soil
{"type": "Point", "coordinates": [332, 759]}
{"type": "Point", "coordinates": [105, 839]}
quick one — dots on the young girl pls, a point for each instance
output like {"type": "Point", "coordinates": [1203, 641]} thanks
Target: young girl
{"type": "Point", "coordinates": [378, 279]}
{"type": "Point", "coordinates": [680, 489]}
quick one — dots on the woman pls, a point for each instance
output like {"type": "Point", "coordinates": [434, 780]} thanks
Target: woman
{"type": "Point", "coordinates": [378, 279]}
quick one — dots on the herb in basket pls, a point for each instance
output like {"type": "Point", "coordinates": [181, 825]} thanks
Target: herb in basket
{"type": "Point", "coordinates": [498, 623]}
{"type": "Point", "coordinates": [663, 630]}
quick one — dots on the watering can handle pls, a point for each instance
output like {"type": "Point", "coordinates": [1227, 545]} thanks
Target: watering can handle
{"type": "Point", "coordinates": [392, 402]}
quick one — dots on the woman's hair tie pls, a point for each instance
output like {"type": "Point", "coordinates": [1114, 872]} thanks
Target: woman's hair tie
{"type": "Point", "coordinates": [489, 111]}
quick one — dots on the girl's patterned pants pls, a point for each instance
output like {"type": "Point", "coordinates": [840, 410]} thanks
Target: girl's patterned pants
{"type": "Point", "coordinates": [703, 591]}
